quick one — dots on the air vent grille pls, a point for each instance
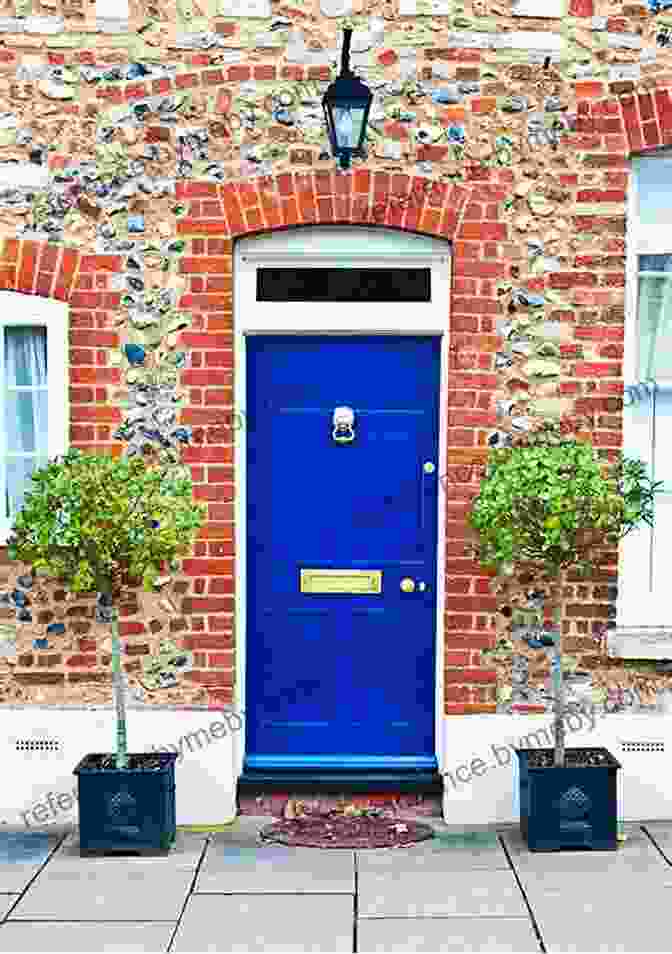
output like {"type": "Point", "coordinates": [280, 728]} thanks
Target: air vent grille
{"type": "Point", "coordinates": [642, 746]}
{"type": "Point", "coordinates": [37, 745]}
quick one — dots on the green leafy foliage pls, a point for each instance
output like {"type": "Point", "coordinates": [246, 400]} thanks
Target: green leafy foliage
{"type": "Point", "coordinates": [551, 505]}
{"type": "Point", "coordinates": [547, 506]}
{"type": "Point", "coordinates": [92, 515]}
{"type": "Point", "coordinates": [93, 519]}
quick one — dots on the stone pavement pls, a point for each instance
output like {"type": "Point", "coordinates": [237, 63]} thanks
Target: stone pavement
{"type": "Point", "coordinates": [476, 891]}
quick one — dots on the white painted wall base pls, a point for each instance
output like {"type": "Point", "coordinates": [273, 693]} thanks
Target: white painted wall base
{"type": "Point", "coordinates": [641, 743]}
{"type": "Point", "coordinates": [207, 772]}
{"type": "Point", "coordinates": [41, 746]}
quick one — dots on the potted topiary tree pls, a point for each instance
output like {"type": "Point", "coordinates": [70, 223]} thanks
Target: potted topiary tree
{"type": "Point", "coordinates": [96, 522]}
{"type": "Point", "coordinates": [547, 505]}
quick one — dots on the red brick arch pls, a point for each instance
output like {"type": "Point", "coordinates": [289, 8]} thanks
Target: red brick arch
{"type": "Point", "coordinates": [360, 197]}
{"type": "Point", "coordinates": [39, 268]}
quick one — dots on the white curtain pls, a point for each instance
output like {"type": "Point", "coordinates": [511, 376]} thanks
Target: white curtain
{"type": "Point", "coordinates": [26, 424]}
{"type": "Point", "coordinates": [654, 316]}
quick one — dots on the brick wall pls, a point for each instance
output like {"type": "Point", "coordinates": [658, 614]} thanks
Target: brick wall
{"type": "Point", "coordinates": [476, 176]}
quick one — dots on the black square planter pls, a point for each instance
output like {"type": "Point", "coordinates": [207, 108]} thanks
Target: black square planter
{"type": "Point", "coordinates": [126, 810]}
{"type": "Point", "coordinates": [570, 807]}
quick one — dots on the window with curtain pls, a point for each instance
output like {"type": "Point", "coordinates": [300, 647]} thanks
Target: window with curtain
{"type": "Point", "coordinates": [647, 422]}
{"type": "Point", "coordinates": [34, 395]}
{"type": "Point", "coordinates": [26, 441]}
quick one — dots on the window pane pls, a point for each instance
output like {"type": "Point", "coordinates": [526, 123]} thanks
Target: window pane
{"type": "Point", "coordinates": [654, 316]}
{"type": "Point", "coordinates": [26, 411]}
{"type": "Point", "coordinates": [344, 284]}
{"type": "Point", "coordinates": [26, 421]}
{"type": "Point", "coordinates": [25, 355]}
{"type": "Point", "coordinates": [654, 190]}
{"type": "Point", "coordinates": [18, 471]}
{"type": "Point", "coordinates": [662, 440]}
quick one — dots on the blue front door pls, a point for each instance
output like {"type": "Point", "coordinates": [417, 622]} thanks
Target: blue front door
{"type": "Point", "coordinates": [339, 674]}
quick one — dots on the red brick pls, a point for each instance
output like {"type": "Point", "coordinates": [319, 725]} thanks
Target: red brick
{"type": "Point", "coordinates": [585, 369]}
{"type": "Point", "coordinates": [237, 74]}
{"type": "Point", "coordinates": [589, 90]}
{"type": "Point", "coordinates": [81, 660]}
{"type": "Point", "coordinates": [651, 134]}
{"type": "Point", "coordinates": [483, 230]}
{"type": "Point", "coordinates": [136, 91]}
{"type": "Point", "coordinates": [664, 108]}
{"type": "Point", "coordinates": [470, 676]}
{"type": "Point", "coordinates": [600, 195]}
{"type": "Point", "coordinates": [646, 111]}
{"type": "Point", "coordinates": [265, 72]}
{"type": "Point", "coordinates": [207, 567]}
{"type": "Point", "coordinates": [28, 267]}
{"type": "Point", "coordinates": [216, 678]}
{"type": "Point", "coordinates": [99, 263]}
{"type": "Point", "coordinates": [186, 80]}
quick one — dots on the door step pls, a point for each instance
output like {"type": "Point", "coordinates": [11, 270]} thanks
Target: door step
{"type": "Point", "coordinates": [263, 793]}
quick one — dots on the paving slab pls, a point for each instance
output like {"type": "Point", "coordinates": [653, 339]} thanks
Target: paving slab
{"type": "Point", "coordinates": [661, 834]}
{"type": "Point", "coordinates": [243, 830]}
{"type": "Point", "coordinates": [591, 912]}
{"type": "Point", "coordinates": [24, 847]}
{"type": "Point", "coordinates": [107, 936]}
{"type": "Point", "coordinates": [266, 923]}
{"type": "Point", "coordinates": [569, 927]}
{"type": "Point", "coordinates": [6, 901]}
{"type": "Point", "coordinates": [184, 856]}
{"type": "Point", "coordinates": [426, 888]}
{"type": "Point", "coordinates": [445, 934]}
{"type": "Point", "coordinates": [94, 893]}
{"type": "Point", "coordinates": [452, 851]}
{"type": "Point", "coordinates": [258, 869]}
{"type": "Point", "coordinates": [21, 856]}
{"type": "Point", "coordinates": [637, 855]}
{"type": "Point", "coordinates": [591, 894]}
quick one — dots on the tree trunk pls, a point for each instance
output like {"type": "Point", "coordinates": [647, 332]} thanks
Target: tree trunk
{"type": "Point", "coordinates": [119, 695]}
{"type": "Point", "coordinates": [558, 688]}
{"type": "Point", "coordinates": [117, 681]}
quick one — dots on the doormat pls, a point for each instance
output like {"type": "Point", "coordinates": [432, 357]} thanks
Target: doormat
{"type": "Point", "coordinates": [342, 831]}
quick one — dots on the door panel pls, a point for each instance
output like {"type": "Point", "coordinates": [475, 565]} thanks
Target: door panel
{"type": "Point", "coordinates": [337, 678]}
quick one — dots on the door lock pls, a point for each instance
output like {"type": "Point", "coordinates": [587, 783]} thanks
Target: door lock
{"type": "Point", "coordinates": [408, 585]}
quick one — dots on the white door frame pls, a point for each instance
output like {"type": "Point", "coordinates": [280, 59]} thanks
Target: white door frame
{"type": "Point", "coordinates": [331, 246]}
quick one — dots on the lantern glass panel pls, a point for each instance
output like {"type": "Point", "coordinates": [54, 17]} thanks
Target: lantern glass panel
{"type": "Point", "coordinates": [348, 125]}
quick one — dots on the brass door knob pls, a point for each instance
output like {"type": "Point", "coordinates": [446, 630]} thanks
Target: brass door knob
{"type": "Point", "coordinates": [407, 585]}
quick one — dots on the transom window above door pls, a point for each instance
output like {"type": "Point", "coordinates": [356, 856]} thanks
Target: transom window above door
{"type": "Point", "coordinates": [344, 284]}
{"type": "Point", "coordinates": [363, 279]}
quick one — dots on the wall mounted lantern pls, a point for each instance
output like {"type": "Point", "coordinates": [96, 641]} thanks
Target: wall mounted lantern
{"type": "Point", "coordinates": [346, 105]}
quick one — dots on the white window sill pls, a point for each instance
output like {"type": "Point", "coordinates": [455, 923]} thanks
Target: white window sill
{"type": "Point", "coordinates": [640, 642]}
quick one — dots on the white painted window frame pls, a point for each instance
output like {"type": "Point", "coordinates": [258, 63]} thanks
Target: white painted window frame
{"type": "Point", "coordinates": [51, 314]}
{"type": "Point", "coordinates": [638, 605]}
{"type": "Point", "coordinates": [298, 318]}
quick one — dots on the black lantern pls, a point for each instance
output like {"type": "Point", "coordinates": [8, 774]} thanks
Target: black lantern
{"type": "Point", "coordinates": [346, 107]}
